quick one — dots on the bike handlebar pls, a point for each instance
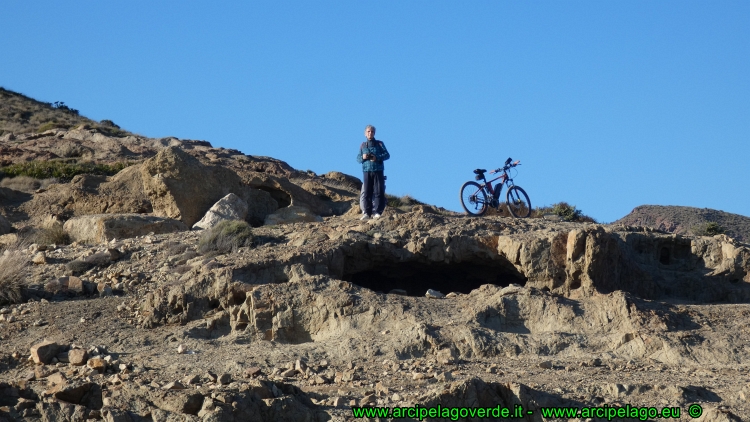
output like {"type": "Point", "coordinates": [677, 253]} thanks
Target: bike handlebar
{"type": "Point", "coordinates": [506, 167]}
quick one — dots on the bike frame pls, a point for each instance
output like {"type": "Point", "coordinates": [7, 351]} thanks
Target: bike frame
{"type": "Point", "coordinates": [487, 185]}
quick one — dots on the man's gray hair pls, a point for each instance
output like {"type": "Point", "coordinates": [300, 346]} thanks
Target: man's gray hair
{"type": "Point", "coordinates": [370, 127]}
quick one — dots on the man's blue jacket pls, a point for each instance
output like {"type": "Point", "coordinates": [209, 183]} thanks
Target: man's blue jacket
{"type": "Point", "coordinates": [376, 148]}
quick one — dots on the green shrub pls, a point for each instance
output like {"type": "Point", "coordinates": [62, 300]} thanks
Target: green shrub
{"type": "Point", "coordinates": [109, 123]}
{"type": "Point", "coordinates": [711, 228]}
{"type": "Point", "coordinates": [60, 169]}
{"type": "Point", "coordinates": [566, 211]}
{"type": "Point", "coordinates": [225, 237]}
{"type": "Point", "coordinates": [52, 125]}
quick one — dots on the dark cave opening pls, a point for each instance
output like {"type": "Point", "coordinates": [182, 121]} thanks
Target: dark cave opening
{"type": "Point", "coordinates": [416, 277]}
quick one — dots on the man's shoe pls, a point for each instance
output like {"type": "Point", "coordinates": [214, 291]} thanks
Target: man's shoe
{"type": "Point", "coordinates": [376, 216]}
{"type": "Point", "coordinates": [364, 217]}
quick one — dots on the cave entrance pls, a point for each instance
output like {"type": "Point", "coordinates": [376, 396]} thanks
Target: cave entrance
{"type": "Point", "coordinates": [416, 277]}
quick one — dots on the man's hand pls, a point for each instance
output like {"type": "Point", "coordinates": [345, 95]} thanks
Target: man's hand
{"type": "Point", "coordinates": [373, 157]}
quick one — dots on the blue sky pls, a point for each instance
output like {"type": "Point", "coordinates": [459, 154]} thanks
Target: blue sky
{"type": "Point", "coordinates": [608, 105]}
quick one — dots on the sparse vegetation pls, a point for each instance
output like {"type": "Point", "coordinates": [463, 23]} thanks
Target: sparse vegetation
{"type": "Point", "coordinates": [564, 210]}
{"type": "Point", "coordinates": [225, 237]}
{"type": "Point", "coordinates": [21, 114]}
{"type": "Point", "coordinates": [711, 228]}
{"type": "Point", "coordinates": [406, 201]}
{"type": "Point", "coordinates": [14, 264]}
{"type": "Point", "coordinates": [53, 125]}
{"type": "Point", "coordinates": [27, 184]}
{"type": "Point", "coordinates": [60, 169]}
{"type": "Point", "coordinates": [52, 235]}
{"type": "Point", "coordinates": [689, 220]}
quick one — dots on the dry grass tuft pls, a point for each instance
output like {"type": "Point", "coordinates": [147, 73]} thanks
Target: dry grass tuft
{"type": "Point", "coordinates": [26, 184]}
{"type": "Point", "coordinates": [225, 237]}
{"type": "Point", "coordinates": [14, 263]}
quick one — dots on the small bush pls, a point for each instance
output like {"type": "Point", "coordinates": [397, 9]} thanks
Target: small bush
{"type": "Point", "coordinates": [60, 169]}
{"type": "Point", "coordinates": [225, 237]}
{"type": "Point", "coordinates": [403, 201]}
{"type": "Point", "coordinates": [52, 235]}
{"type": "Point", "coordinates": [566, 211]}
{"type": "Point", "coordinates": [109, 123]}
{"type": "Point", "coordinates": [14, 264]}
{"type": "Point", "coordinates": [711, 228]}
{"type": "Point", "coordinates": [52, 125]}
{"type": "Point", "coordinates": [175, 248]}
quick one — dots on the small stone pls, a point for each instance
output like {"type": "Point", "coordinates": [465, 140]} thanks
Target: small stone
{"type": "Point", "coordinates": [97, 364]}
{"type": "Point", "coordinates": [396, 397]}
{"type": "Point", "coordinates": [75, 284]}
{"type": "Point", "coordinates": [288, 373]}
{"type": "Point", "coordinates": [252, 372]}
{"type": "Point", "coordinates": [300, 365]}
{"type": "Point", "coordinates": [444, 376]}
{"type": "Point", "coordinates": [337, 402]}
{"type": "Point", "coordinates": [546, 364]}
{"type": "Point", "coordinates": [77, 357]}
{"type": "Point", "coordinates": [434, 294]}
{"type": "Point", "coordinates": [211, 377]}
{"type": "Point", "coordinates": [44, 352]}
{"type": "Point", "coordinates": [174, 385]}
{"type": "Point", "coordinates": [181, 349]}
{"type": "Point", "coordinates": [225, 379]}
{"type": "Point", "coordinates": [191, 379]}
{"type": "Point", "coordinates": [57, 378]}
{"type": "Point", "coordinates": [39, 259]}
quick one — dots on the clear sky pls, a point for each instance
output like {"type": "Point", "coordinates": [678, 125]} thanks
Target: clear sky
{"type": "Point", "coordinates": [608, 104]}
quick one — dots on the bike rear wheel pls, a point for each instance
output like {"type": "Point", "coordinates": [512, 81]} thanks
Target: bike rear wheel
{"type": "Point", "coordinates": [519, 203]}
{"type": "Point", "coordinates": [473, 199]}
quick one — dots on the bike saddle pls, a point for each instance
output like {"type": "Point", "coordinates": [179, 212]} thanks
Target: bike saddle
{"type": "Point", "coordinates": [480, 171]}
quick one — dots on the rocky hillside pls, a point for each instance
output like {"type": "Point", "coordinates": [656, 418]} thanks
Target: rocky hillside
{"type": "Point", "coordinates": [20, 114]}
{"type": "Point", "coordinates": [687, 220]}
{"type": "Point", "coordinates": [184, 282]}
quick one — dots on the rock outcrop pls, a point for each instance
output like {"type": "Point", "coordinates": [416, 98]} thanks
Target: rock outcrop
{"type": "Point", "coordinates": [180, 187]}
{"type": "Point", "coordinates": [100, 228]}
{"type": "Point", "coordinates": [230, 207]}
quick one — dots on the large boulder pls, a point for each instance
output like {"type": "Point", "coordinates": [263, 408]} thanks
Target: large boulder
{"type": "Point", "coordinates": [99, 228]}
{"type": "Point", "coordinates": [230, 207]}
{"type": "Point", "coordinates": [292, 214]}
{"type": "Point", "coordinates": [181, 187]}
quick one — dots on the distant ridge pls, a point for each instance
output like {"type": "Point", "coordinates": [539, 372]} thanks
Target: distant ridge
{"type": "Point", "coordinates": [687, 220]}
{"type": "Point", "coordinates": [20, 114]}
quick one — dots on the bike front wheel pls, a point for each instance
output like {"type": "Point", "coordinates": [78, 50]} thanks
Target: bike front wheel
{"type": "Point", "coordinates": [473, 199]}
{"type": "Point", "coordinates": [519, 203]}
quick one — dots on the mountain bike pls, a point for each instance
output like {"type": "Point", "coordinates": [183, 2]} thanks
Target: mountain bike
{"type": "Point", "coordinates": [474, 196]}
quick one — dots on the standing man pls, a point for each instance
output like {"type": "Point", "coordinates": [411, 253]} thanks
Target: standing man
{"type": "Point", "coordinates": [372, 153]}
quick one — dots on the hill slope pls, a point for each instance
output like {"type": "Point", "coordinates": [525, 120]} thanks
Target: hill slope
{"type": "Point", "coordinates": [687, 220]}
{"type": "Point", "coordinates": [20, 114]}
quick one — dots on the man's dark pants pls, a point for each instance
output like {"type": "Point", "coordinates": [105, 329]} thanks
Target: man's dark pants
{"type": "Point", "coordinates": [372, 201]}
